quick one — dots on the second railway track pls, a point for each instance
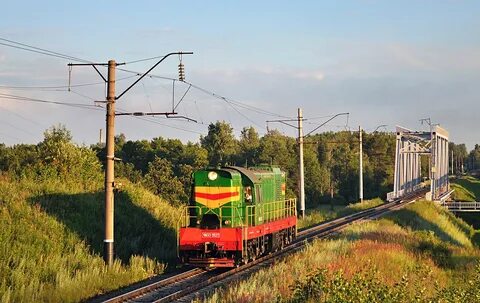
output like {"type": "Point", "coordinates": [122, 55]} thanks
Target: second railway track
{"type": "Point", "coordinates": [195, 283]}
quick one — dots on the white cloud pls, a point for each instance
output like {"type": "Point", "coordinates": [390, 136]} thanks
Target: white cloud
{"type": "Point", "coordinates": [304, 74]}
{"type": "Point", "coordinates": [272, 72]}
{"type": "Point", "coordinates": [310, 75]}
{"type": "Point", "coordinates": [398, 59]}
{"type": "Point", "coordinates": [437, 59]}
{"type": "Point", "coordinates": [409, 56]}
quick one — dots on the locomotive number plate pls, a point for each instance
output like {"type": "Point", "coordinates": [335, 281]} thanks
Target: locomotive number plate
{"type": "Point", "coordinates": [210, 235]}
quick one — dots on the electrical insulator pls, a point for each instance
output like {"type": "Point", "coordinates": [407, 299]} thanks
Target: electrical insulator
{"type": "Point", "coordinates": [181, 72]}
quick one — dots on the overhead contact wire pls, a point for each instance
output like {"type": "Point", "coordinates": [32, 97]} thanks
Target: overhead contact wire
{"type": "Point", "coordinates": [208, 92]}
{"type": "Point", "coordinates": [27, 99]}
{"type": "Point", "coordinates": [41, 50]}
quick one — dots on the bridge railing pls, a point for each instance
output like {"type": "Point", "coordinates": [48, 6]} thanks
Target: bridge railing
{"type": "Point", "coordinates": [403, 192]}
{"type": "Point", "coordinates": [462, 206]}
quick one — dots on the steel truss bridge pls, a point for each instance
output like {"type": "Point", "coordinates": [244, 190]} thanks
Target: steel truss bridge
{"type": "Point", "coordinates": [410, 146]}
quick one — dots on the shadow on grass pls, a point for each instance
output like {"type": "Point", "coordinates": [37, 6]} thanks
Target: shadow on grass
{"type": "Point", "coordinates": [136, 231]}
{"type": "Point", "coordinates": [464, 225]}
{"type": "Point", "coordinates": [463, 261]}
{"type": "Point", "coordinates": [476, 238]}
{"type": "Point", "coordinates": [470, 184]}
{"type": "Point", "coordinates": [407, 218]}
{"type": "Point", "coordinates": [472, 218]}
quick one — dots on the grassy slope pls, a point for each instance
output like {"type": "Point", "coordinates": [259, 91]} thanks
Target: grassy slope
{"type": "Point", "coordinates": [54, 232]}
{"type": "Point", "coordinates": [421, 253]}
{"type": "Point", "coordinates": [324, 212]}
{"type": "Point", "coordinates": [51, 237]}
{"type": "Point", "coordinates": [466, 189]}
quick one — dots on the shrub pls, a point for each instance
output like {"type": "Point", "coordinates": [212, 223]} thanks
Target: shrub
{"type": "Point", "coordinates": [161, 181]}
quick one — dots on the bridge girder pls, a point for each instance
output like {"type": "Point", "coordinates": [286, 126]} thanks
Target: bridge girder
{"type": "Point", "coordinates": [410, 145]}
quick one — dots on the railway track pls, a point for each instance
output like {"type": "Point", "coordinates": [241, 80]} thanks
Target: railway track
{"type": "Point", "coordinates": [149, 289]}
{"type": "Point", "coordinates": [194, 283]}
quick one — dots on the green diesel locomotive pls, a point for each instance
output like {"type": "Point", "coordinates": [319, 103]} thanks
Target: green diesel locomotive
{"type": "Point", "coordinates": [235, 215]}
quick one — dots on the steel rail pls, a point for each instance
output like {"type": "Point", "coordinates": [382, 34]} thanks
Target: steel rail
{"type": "Point", "coordinates": [151, 286]}
{"type": "Point", "coordinates": [361, 214]}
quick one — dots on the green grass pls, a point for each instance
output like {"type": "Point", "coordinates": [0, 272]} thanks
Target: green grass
{"type": "Point", "coordinates": [421, 254]}
{"type": "Point", "coordinates": [52, 233]}
{"type": "Point", "coordinates": [324, 212]}
{"type": "Point", "coordinates": [318, 214]}
{"type": "Point", "coordinates": [357, 207]}
{"type": "Point", "coordinates": [466, 188]}
{"type": "Point", "coordinates": [427, 216]}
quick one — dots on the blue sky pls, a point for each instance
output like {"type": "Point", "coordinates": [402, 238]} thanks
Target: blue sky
{"type": "Point", "coordinates": [385, 62]}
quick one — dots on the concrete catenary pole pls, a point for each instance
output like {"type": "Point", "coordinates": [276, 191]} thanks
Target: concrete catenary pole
{"type": "Point", "coordinates": [301, 184]}
{"type": "Point", "coordinates": [453, 171]}
{"type": "Point", "coordinates": [108, 249]}
{"type": "Point", "coordinates": [361, 165]}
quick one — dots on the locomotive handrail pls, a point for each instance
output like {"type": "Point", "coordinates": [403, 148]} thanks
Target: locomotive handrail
{"type": "Point", "coordinates": [250, 215]}
{"type": "Point", "coordinates": [271, 211]}
{"type": "Point", "coordinates": [234, 214]}
{"type": "Point", "coordinates": [268, 212]}
{"type": "Point", "coordinates": [186, 217]}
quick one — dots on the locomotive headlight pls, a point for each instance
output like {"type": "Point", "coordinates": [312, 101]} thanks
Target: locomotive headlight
{"type": "Point", "coordinates": [212, 175]}
{"type": "Point", "coordinates": [226, 222]}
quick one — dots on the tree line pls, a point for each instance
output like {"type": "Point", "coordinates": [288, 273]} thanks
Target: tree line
{"type": "Point", "coordinates": [331, 161]}
{"type": "Point", "coordinates": [164, 166]}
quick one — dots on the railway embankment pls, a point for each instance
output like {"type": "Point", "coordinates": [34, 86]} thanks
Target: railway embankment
{"type": "Point", "coordinates": [467, 189]}
{"type": "Point", "coordinates": [54, 231]}
{"type": "Point", "coordinates": [52, 239]}
{"type": "Point", "coordinates": [420, 253]}
{"type": "Point", "coordinates": [324, 212]}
